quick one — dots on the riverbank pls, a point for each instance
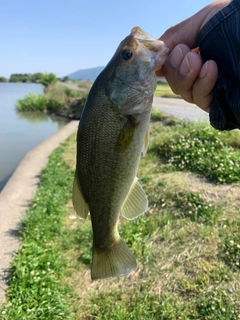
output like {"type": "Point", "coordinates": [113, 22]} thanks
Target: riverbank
{"type": "Point", "coordinates": [186, 244]}
{"type": "Point", "coordinates": [18, 193]}
{"type": "Point", "coordinates": [20, 189]}
{"type": "Point", "coordinates": [58, 99]}
{"type": "Point", "coordinates": [21, 131]}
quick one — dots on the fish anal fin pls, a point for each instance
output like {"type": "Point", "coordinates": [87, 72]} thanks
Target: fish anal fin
{"type": "Point", "coordinates": [113, 262]}
{"type": "Point", "coordinates": [79, 203]}
{"type": "Point", "coordinates": [136, 202]}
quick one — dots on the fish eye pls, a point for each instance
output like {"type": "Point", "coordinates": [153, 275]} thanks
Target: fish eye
{"type": "Point", "coordinates": [126, 54]}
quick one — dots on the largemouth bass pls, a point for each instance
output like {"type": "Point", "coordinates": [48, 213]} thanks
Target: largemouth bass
{"type": "Point", "coordinates": [112, 135]}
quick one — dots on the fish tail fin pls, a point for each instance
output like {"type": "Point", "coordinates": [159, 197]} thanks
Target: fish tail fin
{"type": "Point", "coordinates": [114, 262]}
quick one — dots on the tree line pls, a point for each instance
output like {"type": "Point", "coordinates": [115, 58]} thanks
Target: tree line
{"type": "Point", "coordinates": [43, 78]}
{"type": "Point", "coordinates": [25, 77]}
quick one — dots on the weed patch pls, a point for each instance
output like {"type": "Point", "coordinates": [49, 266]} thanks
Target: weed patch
{"type": "Point", "coordinates": [56, 99]}
{"type": "Point", "coordinates": [200, 149]}
{"type": "Point", "coordinates": [32, 102]}
{"type": "Point", "coordinates": [230, 249]}
{"type": "Point", "coordinates": [194, 206]}
{"type": "Point", "coordinates": [218, 305]}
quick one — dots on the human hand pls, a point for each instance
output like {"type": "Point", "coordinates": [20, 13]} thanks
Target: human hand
{"type": "Point", "coordinates": [184, 69]}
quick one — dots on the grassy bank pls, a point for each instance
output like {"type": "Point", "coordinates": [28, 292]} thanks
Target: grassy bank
{"type": "Point", "coordinates": [67, 102]}
{"type": "Point", "coordinates": [164, 91]}
{"type": "Point", "coordinates": [36, 289]}
{"type": "Point", "coordinates": [56, 99]}
{"type": "Point", "coordinates": [187, 244]}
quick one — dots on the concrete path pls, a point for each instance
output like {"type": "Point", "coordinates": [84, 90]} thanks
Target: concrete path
{"type": "Point", "coordinates": [16, 195]}
{"type": "Point", "coordinates": [180, 109]}
{"type": "Point", "coordinates": [71, 86]}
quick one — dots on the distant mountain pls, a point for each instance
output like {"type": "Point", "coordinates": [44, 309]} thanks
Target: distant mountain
{"type": "Point", "coordinates": [86, 74]}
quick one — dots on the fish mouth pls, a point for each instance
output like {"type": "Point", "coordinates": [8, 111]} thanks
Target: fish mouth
{"type": "Point", "coordinates": [160, 58]}
{"type": "Point", "coordinates": [157, 49]}
{"type": "Point", "coordinates": [139, 34]}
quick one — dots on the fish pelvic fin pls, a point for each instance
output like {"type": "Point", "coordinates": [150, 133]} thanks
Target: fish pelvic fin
{"type": "Point", "coordinates": [136, 202]}
{"type": "Point", "coordinates": [79, 203]}
{"type": "Point", "coordinates": [113, 262]}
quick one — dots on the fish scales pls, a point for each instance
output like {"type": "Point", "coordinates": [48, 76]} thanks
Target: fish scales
{"type": "Point", "coordinates": [119, 170]}
{"type": "Point", "coordinates": [111, 137]}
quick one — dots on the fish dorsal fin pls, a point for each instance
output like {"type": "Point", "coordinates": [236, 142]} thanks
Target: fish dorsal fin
{"type": "Point", "coordinates": [136, 202]}
{"type": "Point", "coordinates": [145, 143]}
{"type": "Point", "coordinates": [79, 203]}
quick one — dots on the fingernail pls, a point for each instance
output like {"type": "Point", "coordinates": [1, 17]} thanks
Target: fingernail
{"type": "Point", "coordinates": [204, 70]}
{"type": "Point", "coordinates": [185, 67]}
{"type": "Point", "coordinates": [176, 57]}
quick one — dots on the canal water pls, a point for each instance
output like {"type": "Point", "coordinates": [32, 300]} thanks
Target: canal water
{"type": "Point", "coordinates": [21, 132]}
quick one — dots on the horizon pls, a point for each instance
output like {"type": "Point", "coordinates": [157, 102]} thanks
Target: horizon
{"type": "Point", "coordinates": [59, 77]}
{"type": "Point", "coordinates": [63, 38]}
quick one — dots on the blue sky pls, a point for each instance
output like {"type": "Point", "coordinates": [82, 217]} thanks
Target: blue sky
{"type": "Point", "coordinates": [65, 36]}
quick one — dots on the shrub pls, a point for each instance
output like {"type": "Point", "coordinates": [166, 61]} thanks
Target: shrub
{"type": "Point", "coordinates": [57, 99]}
{"type": "Point", "coordinates": [201, 149]}
{"type": "Point", "coordinates": [32, 102]}
{"type": "Point", "coordinates": [3, 79]}
{"type": "Point", "coordinates": [72, 93]}
{"type": "Point", "coordinates": [48, 78]}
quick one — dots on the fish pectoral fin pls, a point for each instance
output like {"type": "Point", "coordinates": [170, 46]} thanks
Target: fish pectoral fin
{"type": "Point", "coordinates": [112, 262]}
{"type": "Point", "coordinates": [145, 143]}
{"type": "Point", "coordinates": [79, 203]}
{"type": "Point", "coordinates": [136, 202]}
{"type": "Point", "coordinates": [126, 135]}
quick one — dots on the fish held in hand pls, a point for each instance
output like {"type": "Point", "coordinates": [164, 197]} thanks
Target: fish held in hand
{"type": "Point", "coordinates": [112, 136]}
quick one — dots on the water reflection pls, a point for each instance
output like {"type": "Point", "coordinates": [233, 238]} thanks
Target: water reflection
{"type": "Point", "coordinates": [33, 117]}
{"type": "Point", "coordinates": [21, 131]}
{"type": "Point", "coordinates": [37, 117]}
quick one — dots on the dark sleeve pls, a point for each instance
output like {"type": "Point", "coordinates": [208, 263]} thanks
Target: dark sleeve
{"type": "Point", "coordinates": [219, 40]}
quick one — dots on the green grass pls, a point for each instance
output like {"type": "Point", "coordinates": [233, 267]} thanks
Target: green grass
{"type": "Point", "coordinates": [201, 149]}
{"type": "Point", "coordinates": [163, 90]}
{"type": "Point", "coordinates": [166, 120]}
{"type": "Point", "coordinates": [32, 102]}
{"type": "Point", "coordinates": [187, 244]}
{"type": "Point", "coordinates": [55, 100]}
{"type": "Point", "coordinates": [36, 288]}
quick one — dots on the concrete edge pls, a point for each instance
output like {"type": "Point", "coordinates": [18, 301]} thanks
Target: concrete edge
{"type": "Point", "coordinates": [17, 194]}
